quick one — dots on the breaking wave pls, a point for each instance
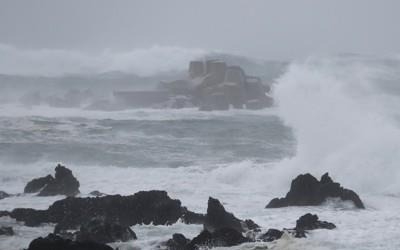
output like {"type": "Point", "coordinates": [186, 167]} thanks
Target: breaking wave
{"type": "Point", "coordinates": [345, 114]}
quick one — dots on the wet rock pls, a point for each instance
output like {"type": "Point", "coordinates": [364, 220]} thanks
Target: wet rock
{"type": "Point", "coordinates": [306, 190]}
{"type": "Point", "coordinates": [217, 218]}
{"type": "Point", "coordinates": [311, 222]}
{"type": "Point", "coordinates": [38, 184]}
{"type": "Point", "coordinates": [224, 237]}
{"type": "Point", "coordinates": [271, 235]}
{"type": "Point", "coordinates": [254, 104]}
{"type": "Point", "coordinates": [63, 184]}
{"type": "Point", "coordinates": [178, 242]}
{"type": "Point", "coordinates": [52, 242]}
{"type": "Point", "coordinates": [3, 195]}
{"type": "Point", "coordinates": [102, 231]}
{"type": "Point", "coordinates": [144, 207]}
{"type": "Point", "coordinates": [97, 193]}
{"type": "Point", "coordinates": [189, 217]}
{"type": "Point", "coordinates": [8, 231]}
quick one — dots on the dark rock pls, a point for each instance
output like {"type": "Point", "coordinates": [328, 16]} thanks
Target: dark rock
{"type": "Point", "coordinates": [102, 231]}
{"type": "Point", "coordinates": [189, 217]}
{"type": "Point", "coordinates": [31, 217]}
{"type": "Point", "coordinates": [311, 222]}
{"type": "Point", "coordinates": [217, 217]}
{"type": "Point", "coordinates": [306, 190]}
{"type": "Point", "coordinates": [144, 207]}
{"type": "Point", "coordinates": [54, 242]}
{"type": "Point", "coordinates": [97, 193]}
{"type": "Point", "coordinates": [38, 184]}
{"type": "Point", "coordinates": [224, 237]}
{"type": "Point", "coordinates": [64, 183]}
{"type": "Point", "coordinates": [271, 235]}
{"type": "Point", "coordinates": [3, 195]}
{"type": "Point", "coordinates": [178, 242]}
{"type": "Point", "coordinates": [8, 231]}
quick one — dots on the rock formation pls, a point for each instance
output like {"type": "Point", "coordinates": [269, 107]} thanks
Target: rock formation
{"type": "Point", "coordinates": [306, 190]}
{"type": "Point", "coordinates": [64, 183]}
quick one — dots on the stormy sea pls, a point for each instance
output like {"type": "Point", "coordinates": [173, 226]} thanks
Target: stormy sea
{"type": "Point", "coordinates": [337, 114]}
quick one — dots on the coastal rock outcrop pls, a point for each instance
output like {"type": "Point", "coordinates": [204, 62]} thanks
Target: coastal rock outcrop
{"type": "Point", "coordinates": [35, 185]}
{"type": "Point", "coordinates": [144, 207]}
{"type": "Point", "coordinates": [64, 183]}
{"type": "Point", "coordinates": [52, 242]}
{"type": "Point", "coordinates": [306, 190]}
{"type": "Point", "coordinates": [311, 222]}
{"type": "Point", "coordinates": [224, 237]}
{"type": "Point", "coordinates": [102, 231]}
{"type": "Point", "coordinates": [217, 218]}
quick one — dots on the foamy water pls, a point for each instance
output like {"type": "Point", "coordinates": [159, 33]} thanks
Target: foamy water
{"type": "Point", "coordinates": [333, 114]}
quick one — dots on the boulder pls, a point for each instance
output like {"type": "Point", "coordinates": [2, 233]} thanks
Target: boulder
{"type": "Point", "coordinates": [311, 222]}
{"type": "Point", "coordinates": [63, 184]}
{"type": "Point", "coordinates": [254, 104]}
{"type": "Point", "coordinates": [224, 237]}
{"type": "Point", "coordinates": [97, 193]}
{"type": "Point", "coordinates": [196, 69]}
{"type": "Point", "coordinates": [8, 231]}
{"type": "Point", "coordinates": [144, 207]}
{"type": "Point", "coordinates": [306, 190]}
{"type": "Point", "coordinates": [3, 195]}
{"type": "Point", "coordinates": [100, 230]}
{"type": "Point", "coordinates": [178, 242]}
{"type": "Point", "coordinates": [190, 217]}
{"type": "Point", "coordinates": [52, 242]}
{"type": "Point", "coordinates": [271, 235]}
{"type": "Point", "coordinates": [217, 218]}
{"type": "Point", "coordinates": [38, 184]}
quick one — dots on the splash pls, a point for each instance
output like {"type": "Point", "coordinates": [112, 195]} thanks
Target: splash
{"type": "Point", "coordinates": [345, 115]}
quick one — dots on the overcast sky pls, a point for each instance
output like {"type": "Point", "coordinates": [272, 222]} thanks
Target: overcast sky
{"type": "Point", "coordinates": [279, 29]}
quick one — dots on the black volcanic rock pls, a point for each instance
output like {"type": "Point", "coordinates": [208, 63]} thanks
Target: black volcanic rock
{"type": "Point", "coordinates": [144, 207]}
{"type": "Point", "coordinates": [271, 235]}
{"type": "Point", "coordinates": [306, 190]}
{"type": "Point", "coordinates": [3, 195]}
{"type": "Point", "coordinates": [38, 184]}
{"type": "Point", "coordinates": [102, 231]}
{"type": "Point", "coordinates": [178, 242]}
{"type": "Point", "coordinates": [190, 217]}
{"type": "Point", "coordinates": [54, 242]}
{"type": "Point", "coordinates": [217, 217]}
{"type": "Point", "coordinates": [224, 237]}
{"type": "Point", "coordinates": [63, 184]}
{"type": "Point", "coordinates": [311, 222]}
{"type": "Point", "coordinates": [8, 231]}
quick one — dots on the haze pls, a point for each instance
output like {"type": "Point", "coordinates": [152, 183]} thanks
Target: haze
{"type": "Point", "coordinates": [265, 29]}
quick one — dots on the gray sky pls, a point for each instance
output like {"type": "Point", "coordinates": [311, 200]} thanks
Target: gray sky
{"type": "Point", "coordinates": [279, 29]}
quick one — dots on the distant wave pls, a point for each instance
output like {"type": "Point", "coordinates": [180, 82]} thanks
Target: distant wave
{"type": "Point", "coordinates": [55, 62]}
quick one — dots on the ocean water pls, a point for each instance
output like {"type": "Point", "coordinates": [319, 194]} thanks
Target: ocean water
{"type": "Point", "coordinates": [333, 114]}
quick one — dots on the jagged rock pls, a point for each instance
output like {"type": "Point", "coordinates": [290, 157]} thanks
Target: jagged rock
{"type": "Point", "coordinates": [178, 242]}
{"type": "Point", "coordinates": [271, 235]}
{"type": "Point", "coordinates": [189, 217]}
{"type": "Point", "coordinates": [224, 237]}
{"type": "Point", "coordinates": [38, 184]}
{"type": "Point", "coordinates": [8, 231]}
{"type": "Point", "coordinates": [102, 231]}
{"type": "Point", "coordinates": [53, 242]}
{"type": "Point", "coordinates": [63, 184]}
{"type": "Point", "coordinates": [196, 69]}
{"type": "Point", "coordinates": [311, 222]}
{"type": "Point", "coordinates": [306, 190]}
{"type": "Point", "coordinates": [3, 195]}
{"type": "Point", "coordinates": [144, 207]}
{"type": "Point", "coordinates": [217, 218]}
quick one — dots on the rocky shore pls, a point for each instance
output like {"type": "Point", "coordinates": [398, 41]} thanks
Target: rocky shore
{"type": "Point", "coordinates": [91, 223]}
